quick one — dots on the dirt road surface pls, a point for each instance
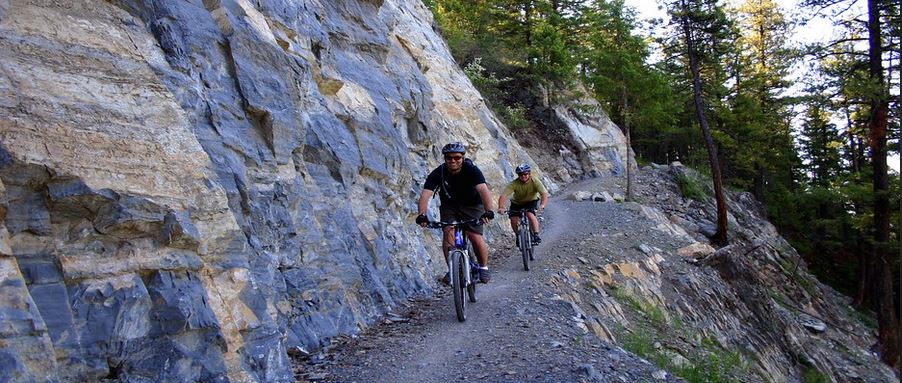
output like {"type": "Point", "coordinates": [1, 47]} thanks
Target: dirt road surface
{"type": "Point", "coordinates": [518, 331]}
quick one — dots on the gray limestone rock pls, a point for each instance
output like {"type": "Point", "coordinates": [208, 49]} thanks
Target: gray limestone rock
{"type": "Point", "coordinates": [190, 189]}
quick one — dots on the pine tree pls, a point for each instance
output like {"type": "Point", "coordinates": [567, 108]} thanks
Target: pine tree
{"type": "Point", "coordinates": [701, 24]}
{"type": "Point", "coordinates": [820, 143]}
{"type": "Point", "coordinates": [613, 64]}
{"type": "Point", "coordinates": [879, 263]}
{"type": "Point", "coordinates": [759, 120]}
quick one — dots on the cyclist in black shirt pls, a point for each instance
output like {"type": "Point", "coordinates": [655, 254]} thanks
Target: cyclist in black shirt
{"type": "Point", "coordinates": [464, 196]}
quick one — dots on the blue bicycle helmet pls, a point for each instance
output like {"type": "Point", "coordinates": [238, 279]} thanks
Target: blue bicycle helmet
{"type": "Point", "coordinates": [454, 147]}
{"type": "Point", "coordinates": [523, 168]}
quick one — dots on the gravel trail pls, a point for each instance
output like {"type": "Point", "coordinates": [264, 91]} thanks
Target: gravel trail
{"type": "Point", "coordinates": [518, 331]}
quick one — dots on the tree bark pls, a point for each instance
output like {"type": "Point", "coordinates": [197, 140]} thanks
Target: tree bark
{"type": "Point", "coordinates": [853, 148]}
{"type": "Point", "coordinates": [629, 166]}
{"type": "Point", "coordinates": [527, 20]}
{"type": "Point", "coordinates": [759, 183]}
{"type": "Point", "coordinates": [899, 142]}
{"type": "Point", "coordinates": [888, 331]}
{"type": "Point", "coordinates": [720, 237]}
{"type": "Point", "coordinates": [863, 295]}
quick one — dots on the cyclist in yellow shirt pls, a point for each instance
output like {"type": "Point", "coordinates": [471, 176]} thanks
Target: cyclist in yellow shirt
{"type": "Point", "coordinates": [528, 193]}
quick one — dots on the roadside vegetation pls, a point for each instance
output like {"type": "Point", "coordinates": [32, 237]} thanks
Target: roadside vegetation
{"type": "Point", "coordinates": [705, 361]}
{"type": "Point", "coordinates": [712, 90]}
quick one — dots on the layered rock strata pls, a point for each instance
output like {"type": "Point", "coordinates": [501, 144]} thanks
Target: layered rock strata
{"type": "Point", "coordinates": [751, 308]}
{"type": "Point", "coordinates": [193, 189]}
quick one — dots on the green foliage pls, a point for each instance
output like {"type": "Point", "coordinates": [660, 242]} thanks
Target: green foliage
{"type": "Point", "coordinates": [815, 182]}
{"type": "Point", "coordinates": [706, 364]}
{"type": "Point", "coordinates": [614, 65]}
{"type": "Point", "coordinates": [821, 146]}
{"type": "Point", "coordinates": [654, 313]}
{"type": "Point", "coordinates": [478, 75]}
{"type": "Point", "coordinates": [689, 188]}
{"type": "Point", "coordinates": [811, 374]}
{"type": "Point", "coordinates": [515, 117]}
{"type": "Point", "coordinates": [491, 87]}
{"type": "Point", "coordinates": [866, 318]}
{"type": "Point", "coordinates": [550, 57]}
{"type": "Point", "coordinates": [712, 364]}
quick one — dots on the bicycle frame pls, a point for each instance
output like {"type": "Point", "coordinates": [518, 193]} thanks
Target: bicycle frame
{"type": "Point", "coordinates": [521, 213]}
{"type": "Point", "coordinates": [460, 244]}
{"type": "Point", "coordinates": [524, 235]}
{"type": "Point", "coordinates": [462, 276]}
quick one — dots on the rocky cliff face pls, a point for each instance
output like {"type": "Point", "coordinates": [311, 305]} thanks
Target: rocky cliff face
{"type": "Point", "coordinates": [750, 308]}
{"type": "Point", "coordinates": [576, 140]}
{"type": "Point", "coordinates": [191, 190]}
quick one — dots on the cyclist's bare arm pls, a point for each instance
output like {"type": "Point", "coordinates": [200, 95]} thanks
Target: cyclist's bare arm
{"type": "Point", "coordinates": [486, 196]}
{"type": "Point", "coordinates": [544, 201]}
{"type": "Point", "coordinates": [423, 203]}
{"type": "Point", "coordinates": [502, 201]}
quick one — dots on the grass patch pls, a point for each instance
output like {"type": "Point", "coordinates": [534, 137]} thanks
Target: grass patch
{"type": "Point", "coordinates": [866, 317]}
{"type": "Point", "coordinates": [811, 374]}
{"type": "Point", "coordinates": [643, 344]}
{"type": "Point", "coordinates": [689, 188]}
{"type": "Point", "coordinates": [779, 298]}
{"type": "Point", "coordinates": [792, 270]}
{"type": "Point", "coordinates": [654, 313]}
{"type": "Point", "coordinates": [712, 364]}
{"type": "Point", "coordinates": [707, 364]}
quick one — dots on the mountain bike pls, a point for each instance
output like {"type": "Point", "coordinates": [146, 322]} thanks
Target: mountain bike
{"type": "Point", "coordinates": [462, 265]}
{"type": "Point", "coordinates": [524, 236]}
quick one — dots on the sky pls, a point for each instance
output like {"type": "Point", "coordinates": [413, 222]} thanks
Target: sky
{"type": "Point", "coordinates": [815, 30]}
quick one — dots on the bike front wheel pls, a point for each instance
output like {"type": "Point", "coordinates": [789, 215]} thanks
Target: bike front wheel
{"type": "Point", "coordinates": [525, 241]}
{"type": "Point", "coordinates": [459, 283]}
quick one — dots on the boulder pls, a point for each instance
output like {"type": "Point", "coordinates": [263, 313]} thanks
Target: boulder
{"type": "Point", "coordinates": [696, 250]}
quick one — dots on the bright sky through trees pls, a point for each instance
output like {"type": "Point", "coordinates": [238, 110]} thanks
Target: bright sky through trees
{"type": "Point", "coordinates": [815, 30]}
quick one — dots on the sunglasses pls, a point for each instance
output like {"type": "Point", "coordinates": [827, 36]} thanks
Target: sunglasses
{"type": "Point", "coordinates": [453, 158]}
{"type": "Point", "coordinates": [523, 174]}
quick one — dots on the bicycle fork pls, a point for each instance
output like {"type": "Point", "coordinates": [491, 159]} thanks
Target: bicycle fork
{"type": "Point", "coordinates": [465, 259]}
{"type": "Point", "coordinates": [460, 246]}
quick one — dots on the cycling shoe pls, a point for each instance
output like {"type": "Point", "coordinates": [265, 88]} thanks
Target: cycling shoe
{"type": "Point", "coordinates": [485, 276]}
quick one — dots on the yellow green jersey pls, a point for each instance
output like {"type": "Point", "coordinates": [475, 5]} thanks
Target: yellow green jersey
{"type": "Point", "coordinates": [524, 192]}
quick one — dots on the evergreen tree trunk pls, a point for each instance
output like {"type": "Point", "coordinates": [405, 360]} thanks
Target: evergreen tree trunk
{"type": "Point", "coordinates": [626, 128]}
{"type": "Point", "coordinates": [527, 17]}
{"type": "Point", "coordinates": [862, 297]}
{"type": "Point", "coordinates": [899, 237]}
{"type": "Point", "coordinates": [853, 154]}
{"type": "Point", "coordinates": [877, 124]}
{"type": "Point", "coordinates": [759, 183]}
{"type": "Point", "coordinates": [720, 237]}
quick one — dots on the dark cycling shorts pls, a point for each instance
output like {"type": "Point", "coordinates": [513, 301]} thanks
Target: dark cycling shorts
{"type": "Point", "coordinates": [462, 213]}
{"type": "Point", "coordinates": [518, 206]}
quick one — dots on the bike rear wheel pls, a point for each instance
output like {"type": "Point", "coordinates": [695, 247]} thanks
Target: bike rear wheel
{"type": "Point", "coordinates": [471, 288]}
{"type": "Point", "coordinates": [458, 283]}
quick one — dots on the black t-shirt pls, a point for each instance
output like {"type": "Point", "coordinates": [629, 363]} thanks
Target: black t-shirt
{"type": "Point", "coordinates": [458, 189]}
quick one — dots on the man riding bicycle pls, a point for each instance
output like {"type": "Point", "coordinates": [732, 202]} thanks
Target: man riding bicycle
{"type": "Point", "coordinates": [464, 196]}
{"type": "Point", "coordinates": [527, 192]}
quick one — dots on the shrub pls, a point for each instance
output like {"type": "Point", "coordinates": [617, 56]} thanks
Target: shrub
{"type": "Point", "coordinates": [689, 188]}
